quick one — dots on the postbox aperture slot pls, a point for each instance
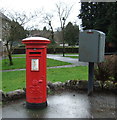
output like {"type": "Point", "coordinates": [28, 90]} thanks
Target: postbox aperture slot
{"type": "Point", "coordinates": [35, 52]}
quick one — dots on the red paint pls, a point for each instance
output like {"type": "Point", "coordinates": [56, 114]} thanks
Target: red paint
{"type": "Point", "coordinates": [36, 79]}
{"type": "Point", "coordinates": [90, 32]}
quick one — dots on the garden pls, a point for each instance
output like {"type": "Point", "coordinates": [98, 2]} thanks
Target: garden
{"type": "Point", "coordinates": [105, 73]}
{"type": "Point", "coordinates": [13, 80]}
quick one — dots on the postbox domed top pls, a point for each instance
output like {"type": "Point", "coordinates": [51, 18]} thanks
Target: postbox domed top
{"type": "Point", "coordinates": [35, 40]}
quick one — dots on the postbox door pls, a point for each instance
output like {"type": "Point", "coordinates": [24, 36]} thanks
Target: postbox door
{"type": "Point", "coordinates": [36, 80]}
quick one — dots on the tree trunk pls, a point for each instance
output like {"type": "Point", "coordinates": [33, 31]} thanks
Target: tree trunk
{"type": "Point", "coordinates": [102, 85]}
{"type": "Point", "coordinates": [9, 55]}
{"type": "Point", "coordinates": [10, 59]}
{"type": "Point", "coordinates": [63, 42]}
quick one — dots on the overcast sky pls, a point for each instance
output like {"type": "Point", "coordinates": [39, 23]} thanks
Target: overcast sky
{"type": "Point", "coordinates": [48, 6]}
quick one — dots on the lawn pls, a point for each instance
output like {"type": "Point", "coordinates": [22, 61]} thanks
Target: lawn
{"type": "Point", "coordinates": [0, 80]}
{"type": "Point", "coordinates": [70, 73]}
{"type": "Point", "coordinates": [16, 79]}
{"type": "Point", "coordinates": [19, 63]}
{"type": "Point", "coordinates": [73, 57]}
{"type": "Point", "coordinates": [24, 55]}
{"type": "Point", "coordinates": [67, 54]}
{"type": "Point", "coordinates": [18, 55]}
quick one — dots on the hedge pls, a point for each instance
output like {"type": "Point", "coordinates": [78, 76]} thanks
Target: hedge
{"type": "Point", "coordinates": [49, 50]}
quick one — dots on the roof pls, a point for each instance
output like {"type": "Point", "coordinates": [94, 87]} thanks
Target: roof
{"type": "Point", "coordinates": [4, 17]}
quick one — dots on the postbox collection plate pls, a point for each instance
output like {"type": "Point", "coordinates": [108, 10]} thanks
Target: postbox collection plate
{"type": "Point", "coordinates": [34, 64]}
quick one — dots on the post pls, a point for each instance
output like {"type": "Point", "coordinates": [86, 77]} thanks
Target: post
{"type": "Point", "coordinates": [90, 78]}
{"type": "Point", "coordinates": [63, 42]}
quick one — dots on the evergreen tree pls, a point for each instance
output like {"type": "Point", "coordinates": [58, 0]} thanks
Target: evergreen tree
{"type": "Point", "coordinates": [100, 16]}
{"type": "Point", "coordinates": [112, 29]}
{"type": "Point", "coordinates": [44, 28]}
{"type": "Point", "coordinates": [71, 34]}
{"type": "Point", "coordinates": [94, 16]}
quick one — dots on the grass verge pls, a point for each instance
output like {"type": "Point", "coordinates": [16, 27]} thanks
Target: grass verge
{"type": "Point", "coordinates": [16, 79]}
{"type": "Point", "coordinates": [20, 63]}
{"type": "Point", "coordinates": [70, 73]}
{"type": "Point", "coordinates": [24, 55]}
{"type": "Point", "coordinates": [73, 57]}
{"type": "Point", "coordinates": [18, 55]}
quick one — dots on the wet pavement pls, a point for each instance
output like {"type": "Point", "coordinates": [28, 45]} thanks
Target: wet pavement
{"type": "Point", "coordinates": [67, 59]}
{"type": "Point", "coordinates": [64, 66]}
{"type": "Point", "coordinates": [12, 70]}
{"type": "Point", "coordinates": [67, 104]}
{"type": "Point", "coordinates": [0, 111]}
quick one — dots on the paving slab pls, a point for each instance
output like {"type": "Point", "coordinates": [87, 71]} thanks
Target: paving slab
{"type": "Point", "coordinates": [67, 104]}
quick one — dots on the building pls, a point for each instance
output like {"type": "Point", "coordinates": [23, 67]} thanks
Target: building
{"type": "Point", "coordinates": [3, 21]}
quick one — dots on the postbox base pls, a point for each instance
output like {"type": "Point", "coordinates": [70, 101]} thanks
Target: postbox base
{"type": "Point", "coordinates": [36, 105]}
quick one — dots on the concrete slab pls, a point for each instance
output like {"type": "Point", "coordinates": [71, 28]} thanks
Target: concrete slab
{"type": "Point", "coordinates": [67, 104]}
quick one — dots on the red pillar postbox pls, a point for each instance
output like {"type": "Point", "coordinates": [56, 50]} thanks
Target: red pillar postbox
{"type": "Point", "coordinates": [36, 71]}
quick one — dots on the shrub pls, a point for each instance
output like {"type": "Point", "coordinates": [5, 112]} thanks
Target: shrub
{"type": "Point", "coordinates": [114, 68]}
{"type": "Point", "coordinates": [107, 70]}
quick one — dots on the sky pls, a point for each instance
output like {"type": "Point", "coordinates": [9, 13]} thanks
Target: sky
{"type": "Point", "coordinates": [45, 6]}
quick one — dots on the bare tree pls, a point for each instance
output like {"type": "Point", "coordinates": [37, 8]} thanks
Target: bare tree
{"type": "Point", "coordinates": [5, 36]}
{"type": "Point", "coordinates": [22, 18]}
{"type": "Point", "coordinates": [63, 13]}
{"type": "Point", "coordinates": [48, 19]}
{"type": "Point", "coordinates": [13, 30]}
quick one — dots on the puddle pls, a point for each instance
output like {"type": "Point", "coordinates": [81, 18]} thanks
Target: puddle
{"type": "Point", "coordinates": [66, 105]}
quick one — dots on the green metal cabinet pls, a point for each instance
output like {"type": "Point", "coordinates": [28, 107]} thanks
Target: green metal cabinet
{"type": "Point", "coordinates": [91, 46]}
